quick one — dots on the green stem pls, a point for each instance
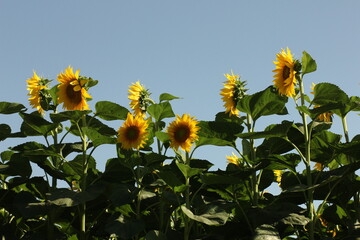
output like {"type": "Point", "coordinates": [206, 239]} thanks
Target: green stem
{"type": "Point", "coordinates": [254, 180]}
{"type": "Point", "coordinates": [307, 161]}
{"type": "Point", "coordinates": [345, 128]}
{"type": "Point", "coordinates": [83, 181]}
{"type": "Point", "coordinates": [187, 201]}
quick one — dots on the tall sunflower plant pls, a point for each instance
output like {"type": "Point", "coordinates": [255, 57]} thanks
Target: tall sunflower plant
{"type": "Point", "coordinates": [156, 187]}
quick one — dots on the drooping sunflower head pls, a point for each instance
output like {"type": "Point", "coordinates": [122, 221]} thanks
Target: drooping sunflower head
{"type": "Point", "coordinates": [234, 160]}
{"type": "Point", "coordinates": [322, 117]}
{"type": "Point", "coordinates": [183, 132]}
{"type": "Point", "coordinates": [36, 86]}
{"type": "Point", "coordinates": [139, 98]}
{"type": "Point", "coordinates": [285, 74]}
{"type": "Point", "coordinates": [233, 91]}
{"type": "Point", "coordinates": [72, 92]}
{"type": "Point", "coordinates": [133, 132]}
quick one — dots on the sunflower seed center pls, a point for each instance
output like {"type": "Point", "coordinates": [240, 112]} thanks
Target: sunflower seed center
{"type": "Point", "coordinates": [286, 72]}
{"type": "Point", "coordinates": [182, 134]}
{"type": "Point", "coordinates": [74, 96]}
{"type": "Point", "coordinates": [132, 133]}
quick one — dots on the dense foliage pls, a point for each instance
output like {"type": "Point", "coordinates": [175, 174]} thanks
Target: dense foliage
{"type": "Point", "coordinates": [155, 189]}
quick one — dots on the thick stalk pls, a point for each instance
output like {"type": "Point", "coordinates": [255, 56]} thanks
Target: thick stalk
{"type": "Point", "coordinates": [345, 128]}
{"type": "Point", "coordinates": [253, 180]}
{"type": "Point", "coordinates": [83, 182]}
{"type": "Point", "coordinates": [187, 201]}
{"type": "Point", "coordinates": [310, 192]}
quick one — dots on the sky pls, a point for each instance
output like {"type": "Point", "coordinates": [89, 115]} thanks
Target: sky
{"type": "Point", "coordinates": [179, 47]}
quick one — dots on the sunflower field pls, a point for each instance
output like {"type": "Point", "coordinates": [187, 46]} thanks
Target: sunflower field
{"type": "Point", "coordinates": [154, 187]}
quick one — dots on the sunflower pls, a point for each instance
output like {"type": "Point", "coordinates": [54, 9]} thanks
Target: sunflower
{"type": "Point", "coordinates": [183, 132]}
{"type": "Point", "coordinates": [139, 97]}
{"type": "Point", "coordinates": [232, 92]}
{"type": "Point", "coordinates": [233, 159]}
{"type": "Point", "coordinates": [285, 79]}
{"type": "Point", "coordinates": [318, 166]}
{"type": "Point", "coordinates": [72, 91]}
{"type": "Point", "coordinates": [133, 133]}
{"type": "Point", "coordinates": [36, 85]}
{"type": "Point", "coordinates": [278, 174]}
{"type": "Point", "coordinates": [323, 117]}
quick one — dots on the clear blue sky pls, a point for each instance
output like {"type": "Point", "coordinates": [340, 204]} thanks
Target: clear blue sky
{"type": "Point", "coordinates": [180, 47]}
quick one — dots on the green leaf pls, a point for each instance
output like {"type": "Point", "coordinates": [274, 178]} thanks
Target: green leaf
{"type": "Point", "coordinates": [295, 219]}
{"type": "Point", "coordinates": [9, 108]}
{"type": "Point", "coordinates": [218, 133]}
{"type": "Point", "coordinates": [212, 178]}
{"type": "Point", "coordinates": [266, 232]}
{"type": "Point", "coordinates": [18, 166]}
{"type": "Point", "coordinates": [63, 197]}
{"type": "Point", "coordinates": [110, 111]}
{"type": "Point", "coordinates": [213, 217]}
{"type": "Point", "coordinates": [38, 123]}
{"type": "Point", "coordinates": [263, 103]}
{"type": "Point", "coordinates": [162, 136]}
{"type": "Point", "coordinates": [160, 111]}
{"type": "Point", "coordinates": [308, 64]}
{"type": "Point", "coordinates": [97, 137]}
{"type": "Point", "coordinates": [188, 171]}
{"type": "Point", "coordinates": [325, 93]}
{"type": "Point", "coordinates": [276, 130]}
{"type": "Point", "coordinates": [167, 97]}
{"type": "Point", "coordinates": [75, 115]}
{"type": "Point", "coordinates": [5, 131]}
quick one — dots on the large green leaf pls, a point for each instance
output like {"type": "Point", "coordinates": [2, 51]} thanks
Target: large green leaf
{"type": "Point", "coordinates": [266, 232]}
{"type": "Point", "coordinates": [110, 111]}
{"type": "Point", "coordinates": [68, 115]}
{"type": "Point", "coordinates": [97, 137]}
{"type": "Point", "coordinates": [214, 216]}
{"type": "Point", "coordinates": [276, 130]}
{"type": "Point", "coordinates": [18, 165]}
{"type": "Point", "coordinates": [5, 131]}
{"type": "Point", "coordinates": [9, 108]}
{"type": "Point", "coordinates": [263, 103]}
{"type": "Point", "coordinates": [218, 133]}
{"type": "Point", "coordinates": [38, 123]}
{"type": "Point", "coordinates": [160, 111]}
{"type": "Point", "coordinates": [188, 171]}
{"type": "Point", "coordinates": [308, 64]}
{"type": "Point", "coordinates": [325, 93]}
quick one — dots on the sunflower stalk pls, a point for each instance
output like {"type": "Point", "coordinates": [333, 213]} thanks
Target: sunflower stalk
{"type": "Point", "coordinates": [187, 200]}
{"type": "Point", "coordinates": [83, 180]}
{"type": "Point", "coordinates": [307, 161]}
{"type": "Point", "coordinates": [254, 178]}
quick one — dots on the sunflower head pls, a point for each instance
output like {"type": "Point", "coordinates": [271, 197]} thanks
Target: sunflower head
{"type": "Point", "coordinates": [285, 73]}
{"type": "Point", "coordinates": [72, 91]}
{"type": "Point", "coordinates": [37, 92]}
{"type": "Point", "coordinates": [323, 117]}
{"type": "Point", "coordinates": [234, 160]}
{"type": "Point", "coordinates": [133, 132]}
{"type": "Point", "coordinates": [183, 132]}
{"type": "Point", "coordinates": [139, 98]}
{"type": "Point", "coordinates": [233, 91]}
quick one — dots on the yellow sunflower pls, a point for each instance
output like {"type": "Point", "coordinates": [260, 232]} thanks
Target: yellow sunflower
{"type": "Point", "coordinates": [183, 132]}
{"type": "Point", "coordinates": [323, 117]}
{"type": "Point", "coordinates": [35, 86]}
{"type": "Point", "coordinates": [133, 133]}
{"type": "Point", "coordinates": [72, 91]}
{"type": "Point", "coordinates": [318, 166]}
{"type": "Point", "coordinates": [278, 174]}
{"type": "Point", "coordinates": [285, 79]}
{"type": "Point", "coordinates": [232, 92]}
{"type": "Point", "coordinates": [139, 97]}
{"type": "Point", "coordinates": [233, 159]}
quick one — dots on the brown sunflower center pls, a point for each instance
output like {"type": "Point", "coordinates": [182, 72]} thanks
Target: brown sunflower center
{"type": "Point", "coordinates": [286, 72]}
{"type": "Point", "coordinates": [74, 96]}
{"type": "Point", "coordinates": [132, 133]}
{"type": "Point", "coordinates": [182, 133]}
